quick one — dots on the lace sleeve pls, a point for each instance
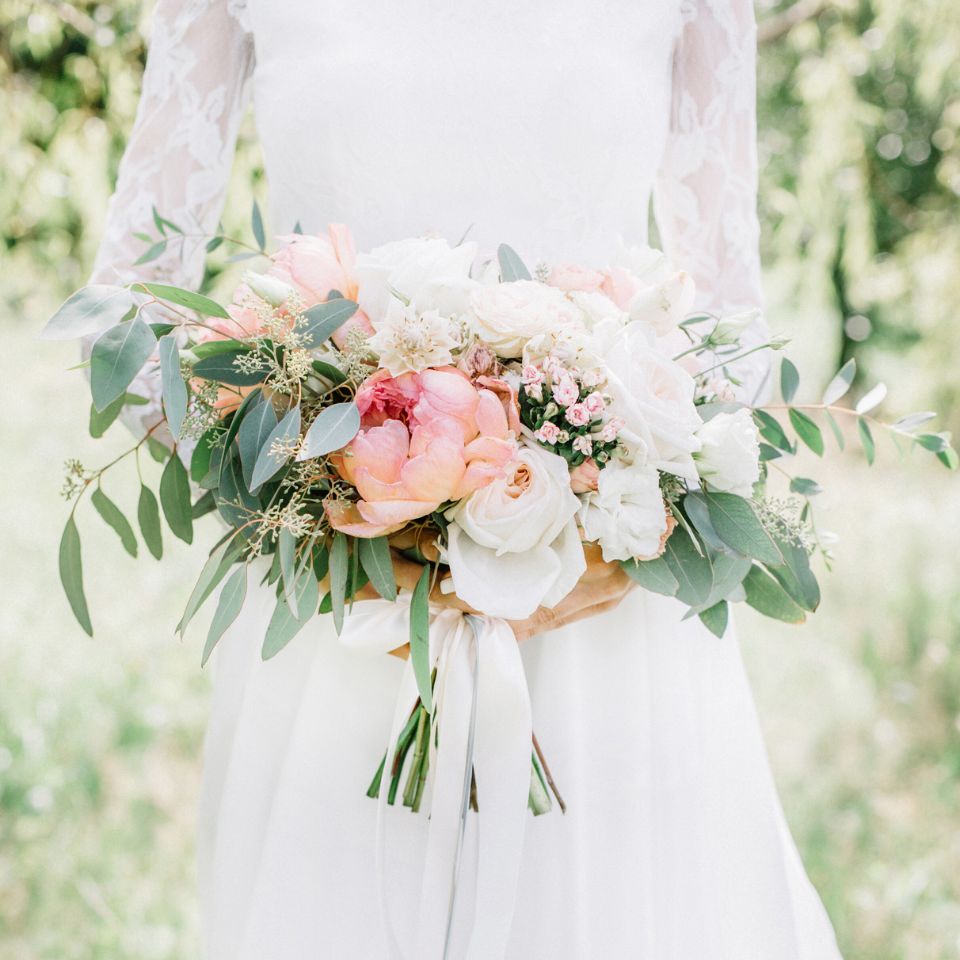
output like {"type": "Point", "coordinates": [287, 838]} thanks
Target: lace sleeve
{"type": "Point", "coordinates": [706, 192]}
{"type": "Point", "coordinates": [180, 151]}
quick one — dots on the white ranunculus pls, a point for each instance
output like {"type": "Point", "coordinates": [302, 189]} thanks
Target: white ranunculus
{"type": "Point", "coordinates": [653, 396]}
{"type": "Point", "coordinates": [514, 545]}
{"type": "Point", "coordinates": [407, 267]}
{"type": "Point", "coordinates": [626, 515]}
{"type": "Point", "coordinates": [729, 457]}
{"type": "Point", "coordinates": [506, 315]}
{"type": "Point", "coordinates": [651, 290]}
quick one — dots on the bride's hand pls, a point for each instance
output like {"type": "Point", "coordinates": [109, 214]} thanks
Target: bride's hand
{"type": "Point", "coordinates": [600, 589]}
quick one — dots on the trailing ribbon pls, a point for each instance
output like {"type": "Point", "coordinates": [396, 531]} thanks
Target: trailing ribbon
{"type": "Point", "coordinates": [483, 723]}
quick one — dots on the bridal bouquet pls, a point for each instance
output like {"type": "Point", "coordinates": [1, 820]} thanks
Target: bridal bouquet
{"type": "Point", "coordinates": [483, 420]}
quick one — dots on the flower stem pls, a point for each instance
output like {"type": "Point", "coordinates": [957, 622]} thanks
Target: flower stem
{"type": "Point", "coordinates": [548, 774]}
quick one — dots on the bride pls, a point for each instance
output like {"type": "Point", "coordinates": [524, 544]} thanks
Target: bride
{"type": "Point", "coordinates": [550, 126]}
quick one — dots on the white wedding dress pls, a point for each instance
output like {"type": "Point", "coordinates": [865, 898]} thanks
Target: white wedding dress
{"type": "Point", "coordinates": [548, 125]}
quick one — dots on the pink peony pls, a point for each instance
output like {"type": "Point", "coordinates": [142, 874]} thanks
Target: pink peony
{"type": "Point", "coordinates": [448, 438]}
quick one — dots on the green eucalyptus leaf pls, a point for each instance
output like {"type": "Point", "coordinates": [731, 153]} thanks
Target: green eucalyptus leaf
{"type": "Point", "coordinates": [692, 569]}
{"type": "Point", "coordinates": [175, 499]}
{"type": "Point", "coordinates": [71, 574]}
{"type": "Point", "coordinates": [841, 383]}
{"type": "Point", "coordinates": [285, 624]}
{"type": "Point", "coordinates": [834, 428]}
{"type": "Point", "coordinates": [204, 504]}
{"type": "Point", "coordinates": [229, 605]}
{"type": "Point", "coordinates": [796, 577]}
{"type": "Point", "coordinates": [214, 570]}
{"type": "Point", "coordinates": [772, 432]}
{"type": "Point", "coordinates": [91, 309]}
{"type": "Point", "coordinates": [652, 575]}
{"type": "Point", "coordinates": [324, 319]}
{"type": "Point", "coordinates": [221, 368]}
{"type": "Point", "coordinates": [934, 442]}
{"type": "Point", "coordinates": [259, 422]}
{"type": "Point", "coordinates": [698, 513]}
{"type": "Point", "coordinates": [334, 428]}
{"type": "Point", "coordinates": [339, 571]}
{"type": "Point", "coordinates": [100, 420]}
{"type": "Point", "coordinates": [805, 486]}
{"type": "Point", "coordinates": [202, 455]}
{"type": "Point", "coordinates": [716, 618]}
{"type": "Point", "coordinates": [767, 596]}
{"type": "Point", "coordinates": [148, 516]}
{"type": "Point", "coordinates": [256, 224]}
{"type": "Point", "coordinates": [769, 453]}
{"type": "Point", "coordinates": [329, 372]}
{"type": "Point", "coordinates": [420, 638]}
{"type": "Point", "coordinates": [151, 253]}
{"type": "Point", "coordinates": [872, 398]}
{"type": "Point", "coordinates": [117, 357]}
{"type": "Point", "coordinates": [807, 431]}
{"type": "Point", "coordinates": [113, 517]}
{"type": "Point", "coordinates": [211, 348]}
{"type": "Point", "coordinates": [511, 266]}
{"type": "Point", "coordinates": [949, 458]}
{"type": "Point", "coordinates": [789, 380]}
{"type": "Point", "coordinates": [269, 464]}
{"type": "Point", "coordinates": [377, 562]}
{"type": "Point", "coordinates": [866, 439]}
{"type": "Point", "coordinates": [173, 388]}
{"type": "Point", "coordinates": [737, 524]}
{"type": "Point", "coordinates": [186, 298]}
{"type": "Point", "coordinates": [287, 551]}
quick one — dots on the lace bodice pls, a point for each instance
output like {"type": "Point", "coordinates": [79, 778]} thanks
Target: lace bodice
{"type": "Point", "coordinates": [548, 125]}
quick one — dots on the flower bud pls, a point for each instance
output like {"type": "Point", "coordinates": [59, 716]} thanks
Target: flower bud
{"type": "Point", "coordinates": [267, 288]}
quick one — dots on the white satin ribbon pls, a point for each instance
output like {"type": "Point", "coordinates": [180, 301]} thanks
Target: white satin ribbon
{"type": "Point", "coordinates": [482, 720]}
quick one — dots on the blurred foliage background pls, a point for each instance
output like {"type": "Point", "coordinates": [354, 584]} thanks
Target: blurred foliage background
{"type": "Point", "coordinates": [100, 739]}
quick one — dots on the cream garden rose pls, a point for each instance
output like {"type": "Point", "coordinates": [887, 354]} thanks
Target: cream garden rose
{"type": "Point", "coordinates": [729, 455]}
{"type": "Point", "coordinates": [507, 315]}
{"type": "Point", "coordinates": [514, 545]}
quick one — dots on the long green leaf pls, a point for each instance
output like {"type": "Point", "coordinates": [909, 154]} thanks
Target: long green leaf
{"type": "Point", "coordinates": [807, 431]}
{"type": "Point", "coordinates": [377, 562]}
{"type": "Point", "coordinates": [229, 605]}
{"type": "Point", "coordinates": [269, 464]}
{"type": "Point", "coordinates": [420, 638]}
{"type": "Point", "coordinates": [841, 383]}
{"type": "Point", "coordinates": [715, 618]}
{"type": "Point", "coordinates": [113, 517]}
{"type": "Point", "coordinates": [148, 516]}
{"type": "Point", "coordinates": [214, 570]}
{"type": "Point", "coordinates": [285, 624]}
{"type": "Point", "coordinates": [796, 577]}
{"type": "Point", "coordinates": [173, 388]}
{"type": "Point", "coordinates": [186, 298]}
{"type": "Point", "coordinates": [90, 309]}
{"type": "Point", "coordinates": [866, 440]}
{"type": "Point", "coordinates": [789, 380]}
{"type": "Point", "coordinates": [511, 266]}
{"type": "Point", "coordinates": [257, 425]}
{"type": "Point", "coordinates": [738, 525]}
{"type": "Point", "coordinates": [324, 319]}
{"type": "Point", "coordinates": [768, 597]}
{"type": "Point", "coordinates": [71, 574]}
{"type": "Point", "coordinates": [287, 549]}
{"type": "Point", "coordinates": [175, 499]}
{"type": "Point", "coordinates": [339, 571]}
{"type": "Point", "coordinates": [333, 429]}
{"type": "Point", "coordinates": [693, 572]}
{"type": "Point", "coordinates": [220, 367]}
{"type": "Point", "coordinates": [100, 420]}
{"type": "Point", "coordinates": [256, 224]}
{"type": "Point", "coordinates": [653, 575]}
{"type": "Point", "coordinates": [117, 357]}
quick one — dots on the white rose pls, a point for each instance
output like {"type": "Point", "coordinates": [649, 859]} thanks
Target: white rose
{"type": "Point", "coordinates": [653, 396]}
{"type": "Point", "coordinates": [506, 315]}
{"type": "Point", "coordinates": [626, 515]}
{"type": "Point", "coordinates": [729, 457]}
{"type": "Point", "coordinates": [408, 267]}
{"type": "Point", "coordinates": [514, 545]}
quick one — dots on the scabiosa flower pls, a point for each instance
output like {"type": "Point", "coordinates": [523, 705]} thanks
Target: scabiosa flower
{"type": "Point", "coordinates": [408, 341]}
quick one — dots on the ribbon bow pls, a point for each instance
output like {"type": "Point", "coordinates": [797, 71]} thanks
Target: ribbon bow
{"type": "Point", "coordinates": [484, 727]}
